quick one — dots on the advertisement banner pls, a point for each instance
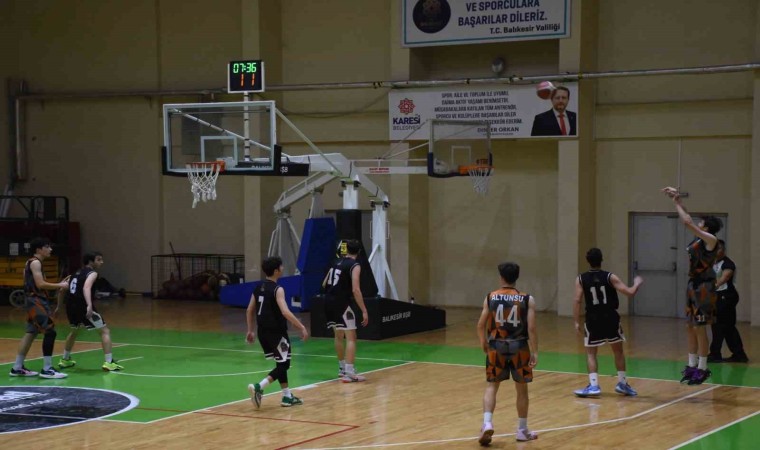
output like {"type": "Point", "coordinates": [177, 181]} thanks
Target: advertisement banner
{"type": "Point", "coordinates": [514, 111]}
{"type": "Point", "coordinates": [453, 22]}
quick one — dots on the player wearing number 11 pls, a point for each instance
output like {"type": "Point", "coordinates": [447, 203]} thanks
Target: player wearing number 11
{"type": "Point", "coordinates": [507, 333]}
{"type": "Point", "coordinates": [599, 288]}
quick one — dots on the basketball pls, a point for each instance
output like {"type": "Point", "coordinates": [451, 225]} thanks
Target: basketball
{"type": "Point", "coordinates": [544, 89]}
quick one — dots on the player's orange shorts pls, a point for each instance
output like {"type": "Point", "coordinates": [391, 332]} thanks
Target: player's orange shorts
{"type": "Point", "coordinates": [701, 301]}
{"type": "Point", "coordinates": [509, 357]}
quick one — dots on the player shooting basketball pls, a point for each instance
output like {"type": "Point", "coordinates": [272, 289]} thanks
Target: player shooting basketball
{"type": "Point", "coordinates": [701, 297]}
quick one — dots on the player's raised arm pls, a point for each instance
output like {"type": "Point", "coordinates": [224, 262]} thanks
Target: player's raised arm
{"type": "Point", "coordinates": [710, 240]}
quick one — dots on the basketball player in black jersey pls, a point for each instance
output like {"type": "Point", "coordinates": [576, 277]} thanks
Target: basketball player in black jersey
{"type": "Point", "coordinates": [341, 283]}
{"type": "Point", "coordinates": [270, 312]}
{"type": "Point", "coordinates": [38, 312]}
{"type": "Point", "coordinates": [599, 288]}
{"type": "Point", "coordinates": [82, 314]}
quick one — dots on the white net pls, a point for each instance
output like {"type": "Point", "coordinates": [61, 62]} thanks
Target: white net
{"type": "Point", "coordinates": [203, 180]}
{"type": "Point", "coordinates": [480, 176]}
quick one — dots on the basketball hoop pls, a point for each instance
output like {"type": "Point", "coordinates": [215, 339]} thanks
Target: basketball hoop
{"type": "Point", "coordinates": [480, 174]}
{"type": "Point", "coordinates": [203, 177]}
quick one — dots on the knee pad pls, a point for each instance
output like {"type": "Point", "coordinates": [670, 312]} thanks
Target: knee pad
{"type": "Point", "coordinates": [48, 341]}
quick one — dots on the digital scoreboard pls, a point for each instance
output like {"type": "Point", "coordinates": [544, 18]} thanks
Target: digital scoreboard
{"type": "Point", "coordinates": [245, 76]}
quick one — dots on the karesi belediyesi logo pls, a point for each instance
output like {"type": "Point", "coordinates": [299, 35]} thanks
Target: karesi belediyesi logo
{"type": "Point", "coordinates": [406, 106]}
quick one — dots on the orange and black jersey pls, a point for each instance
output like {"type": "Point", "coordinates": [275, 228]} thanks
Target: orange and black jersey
{"type": "Point", "coordinates": [701, 260]}
{"type": "Point", "coordinates": [30, 287]}
{"type": "Point", "coordinates": [508, 315]}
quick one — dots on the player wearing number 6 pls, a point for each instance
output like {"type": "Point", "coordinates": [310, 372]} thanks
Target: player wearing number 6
{"type": "Point", "coordinates": [82, 314]}
{"type": "Point", "coordinates": [508, 337]}
{"type": "Point", "coordinates": [599, 288]}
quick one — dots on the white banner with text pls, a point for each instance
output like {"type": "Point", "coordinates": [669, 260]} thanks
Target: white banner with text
{"type": "Point", "coordinates": [452, 22]}
{"type": "Point", "coordinates": [514, 111]}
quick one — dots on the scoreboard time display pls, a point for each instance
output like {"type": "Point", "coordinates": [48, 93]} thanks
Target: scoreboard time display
{"type": "Point", "coordinates": [245, 76]}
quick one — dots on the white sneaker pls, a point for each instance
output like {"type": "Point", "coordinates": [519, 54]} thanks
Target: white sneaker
{"type": "Point", "coordinates": [525, 435]}
{"type": "Point", "coordinates": [485, 434]}
{"type": "Point", "coordinates": [52, 373]}
{"type": "Point", "coordinates": [352, 378]}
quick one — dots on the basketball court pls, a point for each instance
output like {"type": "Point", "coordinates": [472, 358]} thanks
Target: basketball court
{"type": "Point", "coordinates": [423, 390]}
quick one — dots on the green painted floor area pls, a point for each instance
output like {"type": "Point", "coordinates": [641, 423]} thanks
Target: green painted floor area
{"type": "Point", "coordinates": [165, 369]}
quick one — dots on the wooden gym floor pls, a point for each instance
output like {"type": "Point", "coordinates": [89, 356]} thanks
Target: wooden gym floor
{"type": "Point", "coordinates": [187, 363]}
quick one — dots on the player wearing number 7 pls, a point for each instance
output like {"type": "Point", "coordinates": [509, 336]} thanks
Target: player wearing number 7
{"type": "Point", "coordinates": [508, 337]}
{"type": "Point", "coordinates": [599, 288]}
{"type": "Point", "coordinates": [269, 310]}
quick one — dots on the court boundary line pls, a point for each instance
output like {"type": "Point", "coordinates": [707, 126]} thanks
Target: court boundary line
{"type": "Point", "coordinates": [249, 399]}
{"type": "Point", "coordinates": [569, 427]}
{"type": "Point", "coordinates": [704, 435]}
{"type": "Point", "coordinates": [311, 355]}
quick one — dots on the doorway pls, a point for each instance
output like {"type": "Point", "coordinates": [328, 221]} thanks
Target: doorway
{"type": "Point", "coordinates": [658, 254]}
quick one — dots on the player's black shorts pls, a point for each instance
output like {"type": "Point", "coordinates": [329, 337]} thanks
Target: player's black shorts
{"type": "Point", "coordinates": [77, 315]}
{"type": "Point", "coordinates": [340, 315]}
{"type": "Point", "coordinates": [276, 345]}
{"type": "Point", "coordinates": [603, 329]}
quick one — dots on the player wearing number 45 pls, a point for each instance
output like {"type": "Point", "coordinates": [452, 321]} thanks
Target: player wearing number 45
{"type": "Point", "coordinates": [268, 309]}
{"type": "Point", "coordinates": [599, 288]}
{"type": "Point", "coordinates": [82, 314]}
{"type": "Point", "coordinates": [508, 337]}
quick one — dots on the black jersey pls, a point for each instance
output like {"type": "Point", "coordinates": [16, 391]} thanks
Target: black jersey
{"type": "Point", "coordinates": [601, 296]}
{"type": "Point", "coordinates": [30, 287]}
{"type": "Point", "coordinates": [268, 314]}
{"type": "Point", "coordinates": [338, 284]}
{"type": "Point", "coordinates": [76, 286]}
{"type": "Point", "coordinates": [507, 315]}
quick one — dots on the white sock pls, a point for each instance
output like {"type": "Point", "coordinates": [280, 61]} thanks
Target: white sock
{"type": "Point", "coordinates": [286, 393]}
{"type": "Point", "coordinates": [692, 360]}
{"type": "Point", "coordinates": [522, 423]}
{"type": "Point", "coordinates": [66, 354]}
{"type": "Point", "coordinates": [621, 377]}
{"type": "Point", "coordinates": [109, 357]}
{"type": "Point", "coordinates": [19, 364]}
{"type": "Point", "coordinates": [264, 383]}
{"type": "Point", "coordinates": [342, 364]}
{"type": "Point", "coordinates": [593, 378]}
{"type": "Point", "coordinates": [47, 362]}
{"type": "Point", "coordinates": [487, 417]}
{"type": "Point", "coordinates": [702, 363]}
{"type": "Point", "coordinates": [350, 369]}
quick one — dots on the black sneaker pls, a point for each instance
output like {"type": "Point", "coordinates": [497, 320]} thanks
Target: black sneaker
{"type": "Point", "coordinates": [23, 372]}
{"type": "Point", "coordinates": [715, 358]}
{"type": "Point", "coordinates": [737, 359]}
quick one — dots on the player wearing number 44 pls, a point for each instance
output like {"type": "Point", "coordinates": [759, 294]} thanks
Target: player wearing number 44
{"type": "Point", "coordinates": [599, 288]}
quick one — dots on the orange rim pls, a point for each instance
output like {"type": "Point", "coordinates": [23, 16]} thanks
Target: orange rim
{"type": "Point", "coordinates": [207, 165]}
{"type": "Point", "coordinates": [465, 170]}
